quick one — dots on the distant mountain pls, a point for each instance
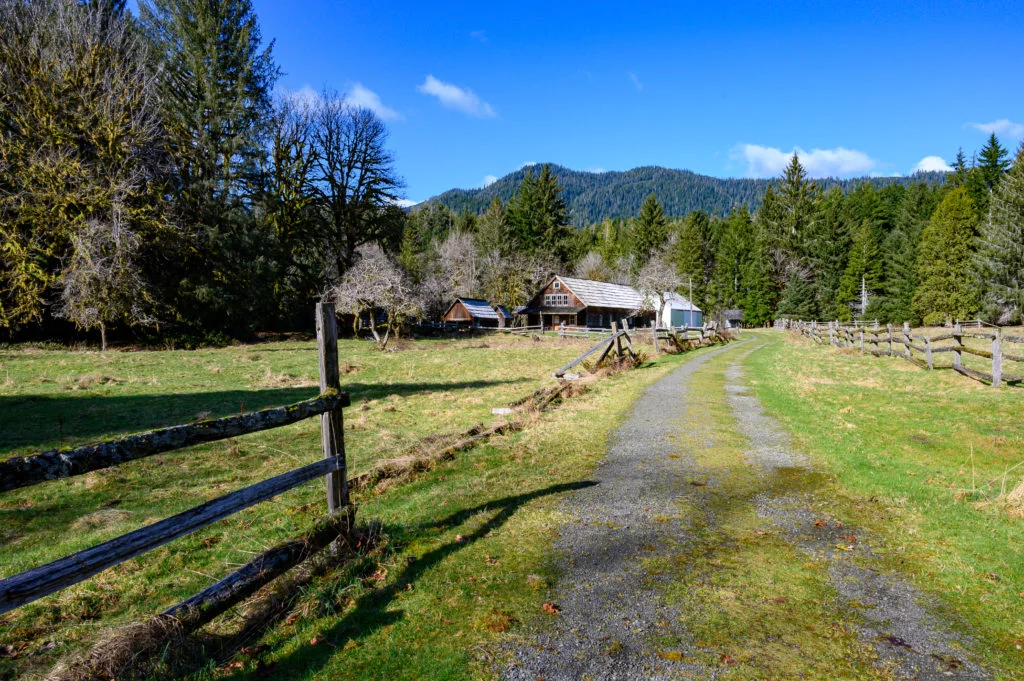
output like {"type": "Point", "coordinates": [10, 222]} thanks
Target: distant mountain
{"type": "Point", "coordinates": [595, 196]}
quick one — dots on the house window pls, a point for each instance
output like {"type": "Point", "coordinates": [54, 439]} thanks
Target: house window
{"type": "Point", "coordinates": [557, 285]}
{"type": "Point", "coordinates": [556, 300]}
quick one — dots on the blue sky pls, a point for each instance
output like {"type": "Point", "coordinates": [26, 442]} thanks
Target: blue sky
{"type": "Point", "coordinates": [478, 89]}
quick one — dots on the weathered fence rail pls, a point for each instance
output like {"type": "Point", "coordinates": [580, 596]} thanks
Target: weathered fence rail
{"type": "Point", "coordinates": [904, 343]}
{"type": "Point", "coordinates": [33, 584]}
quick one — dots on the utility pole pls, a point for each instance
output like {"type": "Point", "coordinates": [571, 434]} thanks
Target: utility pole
{"type": "Point", "coordinates": [691, 301]}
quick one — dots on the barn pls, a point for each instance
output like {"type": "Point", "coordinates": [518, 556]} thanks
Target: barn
{"type": "Point", "coordinates": [681, 312]}
{"type": "Point", "coordinates": [476, 313]}
{"type": "Point", "coordinates": [585, 302]}
{"type": "Point", "coordinates": [733, 319]}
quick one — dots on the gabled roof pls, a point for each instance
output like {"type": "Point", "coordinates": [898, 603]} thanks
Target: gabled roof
{"type": "Point", "coordinates": [602, 294]}
{"type": "Point", "coordinates": [674, 301]}
{"type": "Point", "coordinates": [479, 309]}
{"type": "Point", "coordinates": [503, 311]}
{"type": "Point", "coordinates": [733, 315]}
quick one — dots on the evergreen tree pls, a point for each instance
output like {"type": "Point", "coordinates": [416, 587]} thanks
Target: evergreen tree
{"type": "Point", "coordinates": [734, 256]}
{"type": "Point", "coordinates": [538, 217]}
{"type": "Point", "coordinates": [946, 286]}
{"type": "Point", "coordinates": [863, 270]}
{"type": "Point", "coordinates": [798, 301]}
{"type": "Point", "coordinates": [693, 258]}
{"type": "Point", "coordinates": [958, 178]}
{"type": "Point", "coordinates": [650, 230]}
{"type": "Point", "coordinates": [900, 249]}
{"type": "Point", "coordinates": [828, 250]}
{"type": "Point", "coordinates": [992, 162]}
{"type": "Point", "coordinates": [492, 230]}
{"type": "Point", "coordinates": [1000, 256]}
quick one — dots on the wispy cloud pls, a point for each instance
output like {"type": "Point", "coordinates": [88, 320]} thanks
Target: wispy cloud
{"type": "Point", "coordinates": [303, 97]}
{"type": "Point", "coordinates": [479, 36]}
{"type": "Point", "coordinates": [489, 180]}
{"type": "Point", "coordinates": [365, 98]}
{"type": "Point", "coordinates": [930, 164]}
{"type": "Point", "coordinates": [405, 203]}
{"type": "Point", "coordinates": [455, 97]}
{"type": "Point", "coordinates": [527, 164]}
{"type": "Point", "coordinates": [636, 82]}
{"type": "Point", "coordinates": [771, 162]}
{"type": "Point", "coordinates": [1003, 126]}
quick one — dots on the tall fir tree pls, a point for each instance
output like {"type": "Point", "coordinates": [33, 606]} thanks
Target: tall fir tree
{"type": "Point", "coordinates": [946, 290]}
{"type": "Point", "coordinates": [492, 229]}
{"type": "Point", "coordinates": [1000, 254]}
{"type": "Point", "coordinates": [650, 230]}
{"type": "Point", "coordinates": [863, 271]}
{"type": "Point", "coordinates": [693, 258]}
{"type": "Point", "coordinates": [538, 216]}
{"type": "Point", "coordinates": [828, 250]}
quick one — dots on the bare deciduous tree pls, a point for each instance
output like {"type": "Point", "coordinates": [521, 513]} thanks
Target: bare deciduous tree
{"type": "Point", "coordinates": [459, 263]}
{"type": "Point", "coordinates": [592, 266]}
{"type": "Point", "coordinates": [376, 284]}
{"type": "Point", "coordinates": [655, 279]}
{"type": "Point", "coordinates": [102, 285]}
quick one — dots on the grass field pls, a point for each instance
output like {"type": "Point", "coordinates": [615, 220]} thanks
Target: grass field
{"type": "Point", "coordinates": [51, 398]}
{"type": "Point", "coordinates": [923, 461]}
{"type": "Point", "coordinates": [926, 460]}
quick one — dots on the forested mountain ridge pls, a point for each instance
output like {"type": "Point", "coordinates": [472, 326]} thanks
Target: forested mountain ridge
{"type": "Point", "coordinates": [592, 197]}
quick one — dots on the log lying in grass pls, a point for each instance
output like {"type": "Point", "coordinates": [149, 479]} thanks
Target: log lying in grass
{"type": "Point", "coordinates": [19, 471]}
{"type": "Point", "coordinates": [28, 586]}
{"type": "Point", "coordinates": [134, 646]}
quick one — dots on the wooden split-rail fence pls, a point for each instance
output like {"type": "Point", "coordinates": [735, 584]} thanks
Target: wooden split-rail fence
{"type": "Point", "coordinates": [19, 472]}
{"type": "Point", "coordinates": [677, 337]}
{"type": "Point", "coordinates": [888, 342]}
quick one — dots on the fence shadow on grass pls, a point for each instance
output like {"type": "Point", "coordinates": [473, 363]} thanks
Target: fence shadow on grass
{"type": "Point", "coordinates": [370, 612]}
{"type": "Point", "coordinates": [32, 423]}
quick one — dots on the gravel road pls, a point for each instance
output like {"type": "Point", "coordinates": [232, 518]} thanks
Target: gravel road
{"type": "Point", "coordinates": [612, 609]}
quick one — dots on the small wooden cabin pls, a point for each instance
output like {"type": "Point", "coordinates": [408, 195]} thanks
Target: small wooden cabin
{"type": "Point", "coordinates": [476, 313]}
{"type": "Point", "coordinates": [733, 319]}
{"type": "Point", "coordinates": [584, 302]}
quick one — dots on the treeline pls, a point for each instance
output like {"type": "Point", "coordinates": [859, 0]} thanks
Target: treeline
{"type": "Point", "coordinates": [917, 252]}
{"type": "Point", "coordinates": [591, 197]}
{"type": "Point", "coordinates": [151, 178]}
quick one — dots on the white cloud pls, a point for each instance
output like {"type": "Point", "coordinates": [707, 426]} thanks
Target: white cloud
{"type": "Point", "coordinates": [1003, 126]}
{"type": "Point", "coordinates": [365, 98]}
{"type": "Point", "coordinates": [405, 203]}
{"type": "Point", "coordinates": [930, 164]}
{"type": "Point", "coordinates": [636, 82]}
{"type": "Point", "coordinates": [771, 162]}
{"type": "Point", "coordinates": [489, 180]}
{"type": "Point", "coordinates": [454, 97]}
{"type": "Point", "coordinates": [480, 36]}
{"type": "Point", "coordinates": [597, 170]}
{"type": "Point", "coordinates": [527, 164]}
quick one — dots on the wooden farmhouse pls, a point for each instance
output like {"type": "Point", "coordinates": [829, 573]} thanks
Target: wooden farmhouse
{"type": "Point", "coordinates": [476, 313]}
{"type": "Point", "coordinates": [584, 302]}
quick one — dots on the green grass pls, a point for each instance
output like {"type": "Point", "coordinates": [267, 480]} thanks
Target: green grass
{"type": "Point", "coordinates": [52, 398]}
{"type": "Point", "coordinates": [921, 459]}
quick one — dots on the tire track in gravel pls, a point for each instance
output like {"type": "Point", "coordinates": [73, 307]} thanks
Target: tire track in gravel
{"type": "Point", "coordinates": [611, 606]}
{"type": "Point", "coordinates": [908, 639]}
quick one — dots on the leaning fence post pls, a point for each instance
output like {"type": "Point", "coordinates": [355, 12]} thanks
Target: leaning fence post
{"type": "Point", "coordinates": [958, 341]}
{"type": "Point", "coordinates": [928, 351]}
{"type": "Point", "coordinates": [332, 427]}
{"type": "Point", "coordinates": [654, 335]}
{"type": "Point", "coordinates": [997, 359]}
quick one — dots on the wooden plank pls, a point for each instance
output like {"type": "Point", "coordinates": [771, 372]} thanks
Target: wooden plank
{"type": "Point", "coordinates": [983, 336]}
{"type": "Point", "coordinates": [1014, 339]}
{"type": "Point", "coordinates": [18, 471]}
{"type": "Point", "coordinates": [595, 348]}
{"type": "Point", "coordinates": [941, 337]}
{"type": "Point", "coordinates": [38, 582]}
{"type": "Point", "coordinates": [944, 349]}
{"type": "Point", "coordinates": [971, 373]}
{"type": "Point", "coordinates": [332, 425]}
{"type": "Point", "coordinates": [974, 351]}
{"type": "Point", "coordinates": [1013, 358]}
{"type": "Point", "coordinates": [215, 599]}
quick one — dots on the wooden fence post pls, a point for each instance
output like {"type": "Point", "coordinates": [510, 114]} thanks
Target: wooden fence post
{"type": "Point", "coordinates": [616, 340]}
{"type": "Point", "coordinates": [654, 336]}
{"type": "Point", "coordinates": [928, 351]}
{"type": "Point", "coordinates": [889, 328]}
{"type": "Point", "coordinates": [906, 339]}
{"type": "Point", "coordinates": [831, 335]}
{"type": "Point", "coordinates": [997, 359]}
{"type": "Point", "coordinates": [332, 427]}
{"type": "Point", "coordinates": [862, 340]}
{"type": "Point", "coordinates": [958, 341]}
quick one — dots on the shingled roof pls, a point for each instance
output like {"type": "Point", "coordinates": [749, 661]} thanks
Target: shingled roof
{"type": "Point", "coordinates": [603, 294]}
{"type": "Point", "coordinates": [479, 309]}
